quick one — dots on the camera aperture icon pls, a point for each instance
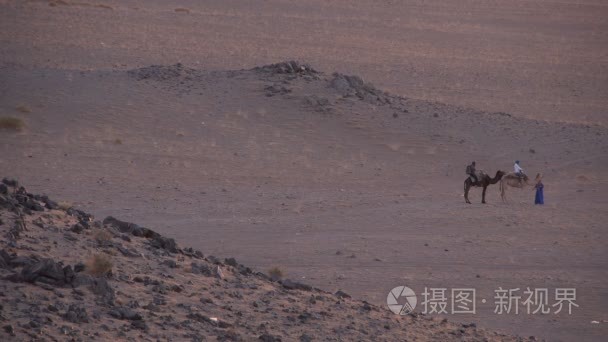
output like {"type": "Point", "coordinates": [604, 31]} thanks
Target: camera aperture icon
{"type": "Point", "coordinates": [402, 300]}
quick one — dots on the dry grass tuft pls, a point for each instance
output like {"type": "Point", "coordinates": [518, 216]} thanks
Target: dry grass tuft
{"type": "Point", "coordinates": [63, 205]}
{"type": "Point", "coordinates": [99, 265]}
{"type": "Point", "coordinates": [102, 235]}
{"type": "Point", "coordinates": [10, 123]}
{"type": "Point", "coordinates": [183, 10]}
{"type": "Point", "coordinates": [275, 273]}
{"type": "Point", "coordinates": [118, 141]}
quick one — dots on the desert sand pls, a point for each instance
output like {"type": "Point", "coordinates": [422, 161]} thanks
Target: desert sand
{"type": "Point", "coordinates": [342, 185]}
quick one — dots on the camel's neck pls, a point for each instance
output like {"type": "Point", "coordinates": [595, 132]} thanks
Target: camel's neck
{"type": "Point", "coordinates": [495, 179]}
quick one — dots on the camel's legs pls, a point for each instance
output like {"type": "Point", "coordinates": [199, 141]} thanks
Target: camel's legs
{"type": "Point", "coordinates": [483, 194]}
{"type": "Point", "coordinates": [467, 187]}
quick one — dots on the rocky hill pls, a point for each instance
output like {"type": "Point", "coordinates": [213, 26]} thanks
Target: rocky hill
{"type": "Point", "coordinates": [67, 276]}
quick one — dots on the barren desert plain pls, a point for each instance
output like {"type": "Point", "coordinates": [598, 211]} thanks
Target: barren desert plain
{"type": "Point", "coordinates": [326, 140]}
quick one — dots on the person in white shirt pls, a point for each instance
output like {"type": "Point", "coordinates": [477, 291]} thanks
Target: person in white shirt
{"type": "Point", "coordinates": [518, 170]}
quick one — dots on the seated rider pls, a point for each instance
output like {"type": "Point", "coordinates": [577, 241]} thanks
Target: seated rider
{"type": "Point", "coordinates": [471, 172]}
{"type": "Point", "coordinates": [518, 170]}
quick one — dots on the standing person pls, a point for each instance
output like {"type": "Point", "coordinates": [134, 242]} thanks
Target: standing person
{"type": "Point", "coordinates": [539, 198]}
{"type": "Point", "coordinates": [471, 172]}
{"type": "Point", "coordinates": [518, 170]}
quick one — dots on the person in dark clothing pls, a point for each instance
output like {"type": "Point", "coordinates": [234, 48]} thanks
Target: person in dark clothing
{"type": "Point", "coordinates": [540, 197]}
{"type": "Point", "coordinates": [471, 172]}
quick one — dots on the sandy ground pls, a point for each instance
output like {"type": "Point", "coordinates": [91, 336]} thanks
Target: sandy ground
{"type": "Point", "coordinates": [340, 193]}
{"type": "Point", "coordinates": [542, 59]}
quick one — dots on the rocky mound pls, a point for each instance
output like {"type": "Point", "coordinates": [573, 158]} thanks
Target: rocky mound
{"type": "Point", "coordinates": [66, 275]}
{"type": "Point", "coordinates": [289, 67]}
{"type": "Point", "coordinates": [162, 72]}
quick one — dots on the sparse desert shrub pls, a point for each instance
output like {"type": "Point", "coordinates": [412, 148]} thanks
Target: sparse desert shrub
{"type": "Point", "coordinates": [183, 10]}
{"type": "Point", "coordinates": [23, 109]}
{"type": "Point", "coordinates": [275, 273]}
{"type": "Point", "coordinates": [118, 141]}
{"type": "Point", "coordinates": [11, 123]}
{"type": "Point", "coordinates": [63, 205]}
{"type": "Point", "coordinates": [102, 235]}
{"type": "Point", "coordinates": [99, 265]}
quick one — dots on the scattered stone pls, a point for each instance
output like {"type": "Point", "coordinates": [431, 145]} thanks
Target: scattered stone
{"type": "Point", "coordinates": [231, 262]}
{"type": "Point", "coordinates": [105, 292]}
{"type": "Point", "coordinates": [77, 228]}
{"type": "Point", "coordinates": [292, 285]}
{"type": "Point", "coordinates": [201, 269]}
{"type": "Point", "coordinates": [291, 67]}
{"type": "Point", "coordinates": [169, 263]}
{"type": "Point", "coordinates": [76, 314]}
{"type": "Point", "coordinates": [167, 244]}
{"type": "Point", "coordinates": [9, 329]}
{"type": "Point", "coordinates": [342, 294]}
{"type": "Point", "coordinates": [269, 338]}
{"type": "Point", "coordinates": [47, 271]}
{"type": "Point", "coordinates": [10, 182]}
{"type": "Point", "coordinates": [125, 314]}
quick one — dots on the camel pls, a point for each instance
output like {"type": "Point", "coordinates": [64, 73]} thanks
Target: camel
{"type": "Point", "coordinates": [484, 181]}
{"type": "Point", "coordinates": [512, 180]}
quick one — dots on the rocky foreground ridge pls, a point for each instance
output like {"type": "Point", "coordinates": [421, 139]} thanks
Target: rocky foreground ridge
{"type": "Point", "coordinates": [66, 276]}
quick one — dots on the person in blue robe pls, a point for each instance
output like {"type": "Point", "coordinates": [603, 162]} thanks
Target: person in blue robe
{"type": "Point", "coordinates": [539, 198]}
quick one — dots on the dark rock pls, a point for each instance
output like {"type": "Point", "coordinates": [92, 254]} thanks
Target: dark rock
{"type": "Point", "coordinates": [5, 259]}
{"type": "Point", "coordinates": [214, 260]}
{"type": "Point", "coordinates": [127, 252]}
{"type": "Point", "coordinates": [51, 205]}
{"type": "Point", "coordinates": [80, 215]}
{"type": "Point", "coordinates": [354, 86]}
{"type": "Point", "coordinates": [305, 338]}
{"type": "Point", "coordinates": [244, 270]}
{"type": "Point", "coordinates": [68, 274]}
{"type": "Point", "coordinates": [103, 290]}
{"type": "Point", "coordinates": [291, 67]}
{"type": "Point", "coordinates": [139, 324]}
{"type": "Point", "coordinates": [292, 285]}
{"type": "Point", "coordinates": [76, 314]}
{"type": "Point", "coordinates": [35, 206]}
{"type": "Point", "coordinates": [167, 244]}
{"type": "Point", "coordinates": [201, 269]}
{"type": "Point", "coordinates": [169, 263]}
{"type": "Point", "coordinates": [269, 338]}
{"type": "Point", "coordinates": [77, 228]}
{"type": "Point", "coordinates": [79, 267]}
{"type": "Point", "coordinates": [46, 271]}
{"type": "Point", "coordinates": [231, 262]}
{"type": "Point", "coordinates": [126, 314]}
{"type": "Point", "coordinates": [9, 329]}
{"type": "Point", "coordinates": [10, 182]}
{"type": "Point", "coordinates": [122, 226]}
{"type": "Point", "coordinates": [144, 232]}
{"type": "Point", "coordinates": [342, 294]}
